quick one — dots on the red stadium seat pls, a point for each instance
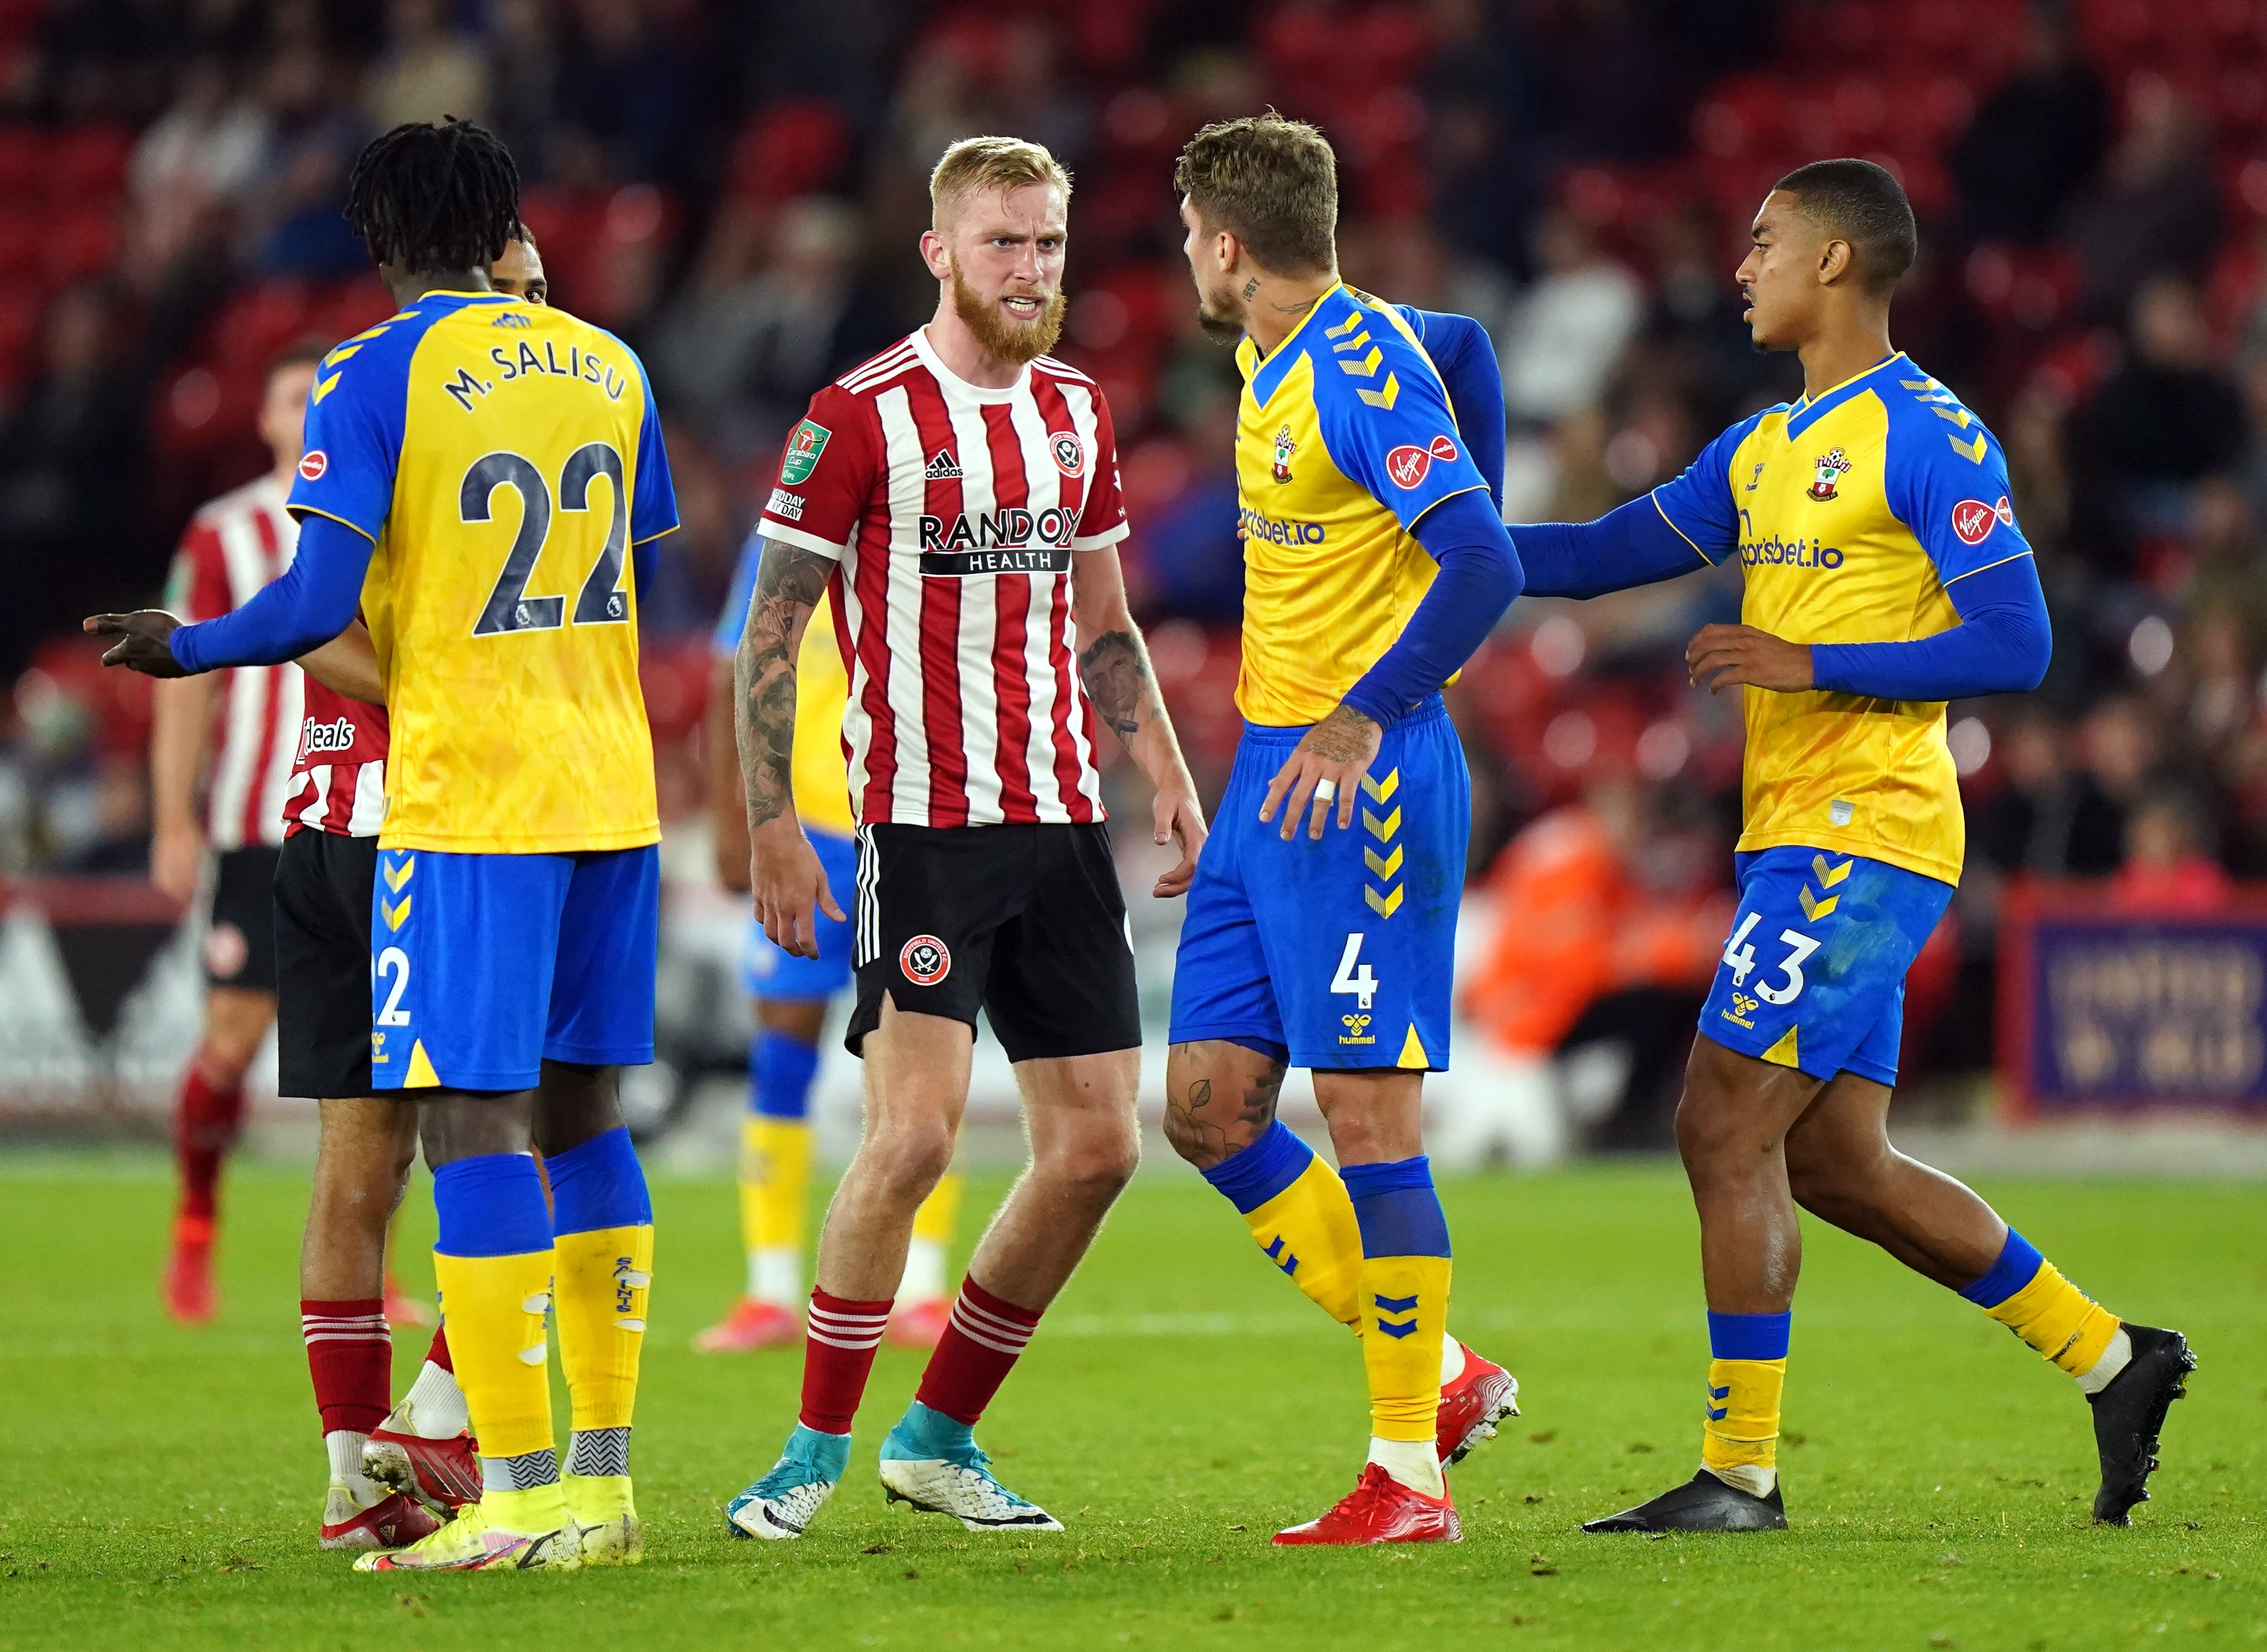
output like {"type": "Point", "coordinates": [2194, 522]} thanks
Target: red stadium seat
{"type": "Point", "coordinates": [83, 245]}
{"type": "Point", "coordinates": [20, 329]}
{"type": "Point", "coordinates": [22, 234]}
{"type": "Point", "coordinates": [21, 149]}
{"type": "Point", "coordinates": [789, 148]}
{"type": "Point", "coordinates": [87, 163]}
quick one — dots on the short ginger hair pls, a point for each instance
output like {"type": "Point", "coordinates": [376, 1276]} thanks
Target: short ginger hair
{"type": "Point", "coordinates": [975, 164]}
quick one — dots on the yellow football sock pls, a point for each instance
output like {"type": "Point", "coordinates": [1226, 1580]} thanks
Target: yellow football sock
{"type": "Point", "coordinates": [774, 1182]}
{"type": "Point", "coordinates": [2061, 1321]}
{"type": "Point", "coordinates": [1405, 1312]}
{"type": "Point", "coordinates": [496, 1306]}
{"type": "Point", "coordinates": [1739, 1443]}
{"type": "Point", "coordinates": [603, 1276]}
{"type": "Point", "coordinates": [939, 1213]}
{"type": "Point", "coordinates": [1308, 1231]}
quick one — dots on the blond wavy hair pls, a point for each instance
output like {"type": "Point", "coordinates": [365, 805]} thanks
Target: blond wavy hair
{"type": "Point", "coordinates": [975, 164]}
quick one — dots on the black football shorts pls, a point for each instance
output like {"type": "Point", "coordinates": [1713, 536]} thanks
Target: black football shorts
{"type": "Point", "coordinates": [322, 951]}
{"type": "Point", "coordinates": [1025, 922]}
{"type": "Point", "coordinates": [240, 946]}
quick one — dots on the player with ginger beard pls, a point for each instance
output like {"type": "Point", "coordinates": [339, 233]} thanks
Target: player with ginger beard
{"type": "Point", "coordinates": [955, 503]}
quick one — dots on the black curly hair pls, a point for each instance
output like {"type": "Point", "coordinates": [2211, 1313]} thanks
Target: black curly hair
{"type": "Point", "coordinates": [435, 197]}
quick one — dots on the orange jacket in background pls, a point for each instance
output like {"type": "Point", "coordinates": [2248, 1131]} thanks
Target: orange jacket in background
{"type": "Point", "coordinates": [1573, 924]}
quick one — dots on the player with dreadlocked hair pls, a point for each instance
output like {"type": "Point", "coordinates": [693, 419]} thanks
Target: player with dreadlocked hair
{"type": "Point", "coordinates": [434, 200]}
{"type": "Point", "coordinates": [515, 913]}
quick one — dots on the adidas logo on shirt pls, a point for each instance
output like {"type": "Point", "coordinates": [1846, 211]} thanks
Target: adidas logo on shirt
{"type": "Point", "coordinates": [943, 467]}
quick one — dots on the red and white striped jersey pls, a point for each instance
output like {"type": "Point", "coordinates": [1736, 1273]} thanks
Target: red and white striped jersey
{"type": "Point", "coordinates": [340, 768]}
{"type": "Point", "coordinates": [235, 544]}
{"type": "Point", "coordinates": [953, 512]}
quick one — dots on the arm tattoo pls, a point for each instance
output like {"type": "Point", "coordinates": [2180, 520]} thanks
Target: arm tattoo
{"type": "Point", "coordinates": [789, 583]}
{"type": "Point", "coordinates": [1115, 670]}
{"type": "Point", "coordinates": [1203, 1133]}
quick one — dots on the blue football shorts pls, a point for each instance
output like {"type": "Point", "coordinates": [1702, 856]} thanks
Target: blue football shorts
{"type": "Point", "coordinates": [484, 966]}
{"type": "Point", "coordinates": [1814, 975]}
{"type": "Point", "coordinates": [770, 971]}
{"type": "Point", "coordinates": [1338, 953]}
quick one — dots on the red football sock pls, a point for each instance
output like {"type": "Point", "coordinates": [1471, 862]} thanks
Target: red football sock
{"type": "Point", "coordinates": [838, 1355]}
{"type": "Point", "coordinates": [350, 1356]}
{"type": "Point", "coordinates": [204, 1126]}
{"type": "Point", "coordinates": [438, 1354]}
{"type": "Point", "coordinates": [981, 1345]}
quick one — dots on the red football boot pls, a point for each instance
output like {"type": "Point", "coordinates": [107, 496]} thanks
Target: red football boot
{"type": "Point", "coordinates": [1381, 1509]}
{"type": "Point", "coordinates": [443, 1473]}
{"type": "Point", "coordinates": [188, 1286]}
{"type": "Point", "coordinates": [751, 1325]}
{"type": "Point", "coordinates": [394, 1522]}
{"type": "Point", "coordinates": [1483, 1395]}
{"type": "Point", "coordinates": [920, 1324]}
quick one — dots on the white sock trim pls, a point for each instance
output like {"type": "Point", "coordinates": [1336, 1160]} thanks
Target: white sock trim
{"type": "Point", "coordinates": [775, 1276]}
{"type": "Point", "coordinates": [924, 1276]}
{"type": "Point", "coordinates": [2115, 1358]}
{"type": "Point", "coordinates": [1416, 1463]}
{"type": "Point", "coordinates": [1752, 1478]}
{"type": "Point", "coordinates": [434, 1407]}
{"type": "Point", "coordinates": [1452, 1360]}
{"type": "Point", "coordinates": [343, 1447]}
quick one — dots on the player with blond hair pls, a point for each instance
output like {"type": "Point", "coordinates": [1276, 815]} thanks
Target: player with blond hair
{"type": "Point", "coordinates": [955, 503]}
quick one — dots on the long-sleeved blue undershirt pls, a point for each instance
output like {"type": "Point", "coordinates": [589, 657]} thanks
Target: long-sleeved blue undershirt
{"type": "Point", "coordinates": [1465, 357]}
{"type": "Point", "coordinates": [2001, 644]}
{"type": "Point", "coordinates": [314, 599]}
{"type": "Point", "coordinates": [1479, 575]}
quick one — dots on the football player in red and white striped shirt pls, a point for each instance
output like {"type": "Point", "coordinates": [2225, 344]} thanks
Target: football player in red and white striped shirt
{"type": "Point", "coordinates": [234, 546]}
{"type": "Point", "coordinates": [959, 497]}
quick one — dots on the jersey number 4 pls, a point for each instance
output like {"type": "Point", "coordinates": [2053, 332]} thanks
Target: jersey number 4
{"type": "Point", "coordinates": [1742, 957]}
{"type": "Point", "coordinates": [510, 607]}
{"type": "Point", "coordinates": [1353, 975]}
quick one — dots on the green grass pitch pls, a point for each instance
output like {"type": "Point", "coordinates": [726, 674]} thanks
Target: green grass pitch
{"type": "Point", "coordinates": [158, 1488]}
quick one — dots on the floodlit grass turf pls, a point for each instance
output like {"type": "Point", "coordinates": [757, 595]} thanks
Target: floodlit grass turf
{"type": "Point", "coordinates": [158, 1488]}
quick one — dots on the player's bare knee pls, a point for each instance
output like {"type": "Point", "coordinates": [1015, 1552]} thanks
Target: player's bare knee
{"type": "Point", "coordinates": [1219, 1099]}
{"type": "Point", "coordinates": [1093, 1166]}
{"type": "Point", "coordinates": [575, 1103]}
{"type": "Point", "coordinates": [1708, 1127]}
{"type": "Point", "coordinates": [236, 1021]}
{"type": "Point", "coordinates": [909, 1159]}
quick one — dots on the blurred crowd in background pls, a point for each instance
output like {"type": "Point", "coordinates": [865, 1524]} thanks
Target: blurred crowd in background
{"type": "Point", "coordinates": [737, 189]}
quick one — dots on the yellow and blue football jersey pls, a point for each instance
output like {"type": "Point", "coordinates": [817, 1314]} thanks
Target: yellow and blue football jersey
{"type": "Point", "coordinates": [1851, 513]}
{"type": "Point", "coordinates": [1345, 438]}
{"type": "Point", "coordinates": [503, 460]}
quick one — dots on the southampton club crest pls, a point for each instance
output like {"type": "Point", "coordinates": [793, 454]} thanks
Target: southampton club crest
{"type": "Point", "coordinates": [1832, 466]}
{"type": "Point", "coordinates": [1284, 448]}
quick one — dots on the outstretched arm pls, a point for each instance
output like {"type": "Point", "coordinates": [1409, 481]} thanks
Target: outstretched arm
{"type": "Point", "coordinates": [1113, 665]}
{"type": "Point", "coordinates": [1634, 544]}
{"type": "Point", "coordinates": [312, 602]}
{"type": "Point", "coordinates": [783, 869]}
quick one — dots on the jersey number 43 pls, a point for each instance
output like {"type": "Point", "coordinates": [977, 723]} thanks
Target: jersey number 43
{"type": "Point", "coordinates": [1742, 957]}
